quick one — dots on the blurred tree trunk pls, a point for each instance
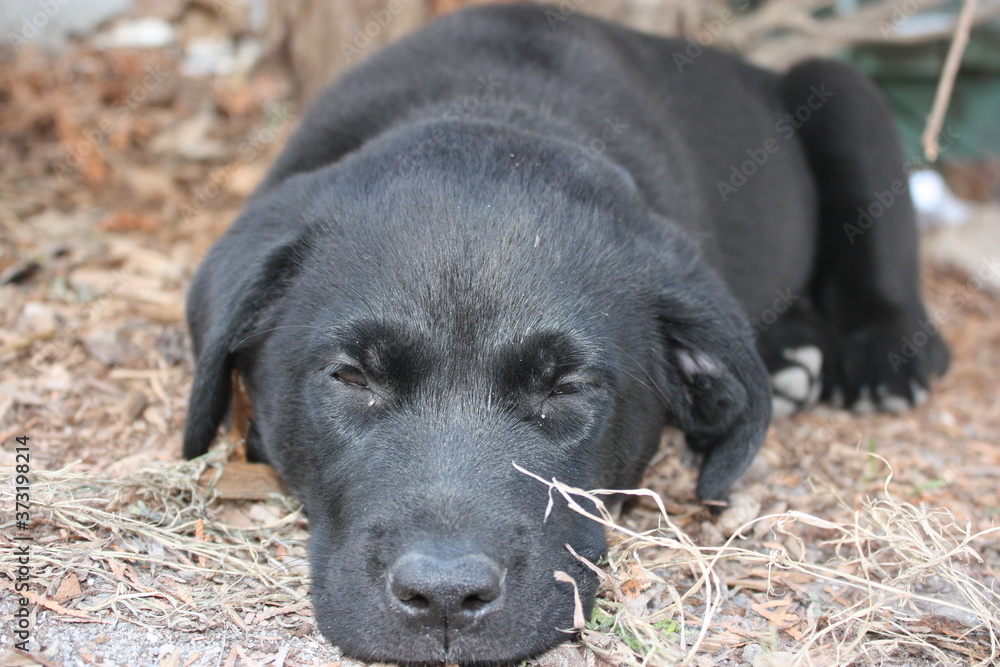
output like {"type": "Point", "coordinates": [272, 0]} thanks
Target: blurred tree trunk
{"type": "Point", "coordinates": [315, 40]}
{"type": "Point", "coordinates": [318, 39]}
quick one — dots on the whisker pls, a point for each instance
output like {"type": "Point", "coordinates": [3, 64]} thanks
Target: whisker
{"type": "Point", "coordinates": [652, 386]}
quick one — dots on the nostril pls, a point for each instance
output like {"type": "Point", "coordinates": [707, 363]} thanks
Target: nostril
{"type": "Point", "coordinates": [477, 602]}
{"type": "Point", "coordinates": [414, 601]}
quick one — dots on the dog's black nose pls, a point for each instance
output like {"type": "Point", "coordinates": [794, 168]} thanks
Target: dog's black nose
{"type": "Point", "coordinates": [446, 591]}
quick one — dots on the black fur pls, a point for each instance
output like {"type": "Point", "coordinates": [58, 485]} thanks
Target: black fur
{"type": "Point", "coordinates": [509, 239]}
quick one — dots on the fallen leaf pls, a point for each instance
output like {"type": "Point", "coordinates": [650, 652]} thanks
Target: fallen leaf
{"type": "Point", "coordinates": [52, 605]}
{"type": "Point", "coordinates": [776, 611]}
{"type": "Point", "coordinates": [636, 583]}
{"type": "Point", "coordinates": [244, 481]}
{"type": "Point", "coordinates": [69, 588]}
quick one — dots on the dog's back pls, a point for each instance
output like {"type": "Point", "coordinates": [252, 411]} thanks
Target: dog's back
{"type": "Point", "coordinates": [679, 126]}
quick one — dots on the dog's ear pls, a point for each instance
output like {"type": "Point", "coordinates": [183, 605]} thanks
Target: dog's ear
{"type": "Point", "coordinates": [718, 390]}
{"type": "Point", "coordinates": [245, 305]}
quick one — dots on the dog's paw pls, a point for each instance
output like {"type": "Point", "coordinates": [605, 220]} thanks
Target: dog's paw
{"type": "Point", "coordinates": [886, 367]}
{"type": "Point", "coordinates": [795, 352]}
{"type": "Point", "coordinates": [798, 384]}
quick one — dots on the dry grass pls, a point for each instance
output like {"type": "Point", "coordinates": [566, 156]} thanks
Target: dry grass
{"type": "Point", "coordinates": [152, 550]}
{"type": "Point", "coordinates": [895, 582]}
{"type": "Point", "coordinates": [894, 579]}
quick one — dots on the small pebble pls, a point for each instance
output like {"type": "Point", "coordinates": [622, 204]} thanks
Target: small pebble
{"type": "Point", "coordinates": [743, 508]}
{"type": "Point", "coordinates": [751, 652]}
{"type": "Point", "coordinates": [104, 346]}
{"type": "Point", "coordinates": [39, 318]}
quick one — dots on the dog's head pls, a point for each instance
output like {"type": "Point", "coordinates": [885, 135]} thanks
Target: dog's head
{"type": "Point", "coordinates": [421, 316]}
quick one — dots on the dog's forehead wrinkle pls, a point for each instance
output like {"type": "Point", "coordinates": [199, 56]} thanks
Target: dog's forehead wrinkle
{"type": "Point", "coordinates": [467, 277]}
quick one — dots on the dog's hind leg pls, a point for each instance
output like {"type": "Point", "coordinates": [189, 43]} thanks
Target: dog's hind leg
{"type": "Point", "coordinates": [884, 346]}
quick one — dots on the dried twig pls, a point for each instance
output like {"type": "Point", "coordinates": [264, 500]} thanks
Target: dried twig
{"type": "Point", "coordinates": [947, 81]}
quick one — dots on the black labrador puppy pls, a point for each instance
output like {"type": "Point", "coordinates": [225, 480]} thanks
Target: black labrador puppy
{"type": "Point", "coordinates": [518, 237]}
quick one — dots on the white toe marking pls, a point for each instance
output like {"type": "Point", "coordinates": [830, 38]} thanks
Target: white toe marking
{"type": "Point", "coordinates": [793, 382]}
{"type": "Point", "coordinates": [920, 395]}
{"type": "Point", "coordinates": [894, 404]}
{"type": "Point", "coordinates": [809, 356]}
{"type": "Point", "coordinates": [864, 404]}
{"type": "Point", "coordinates": [891, 403]}
{"type": "Point", "coordinates": [782, 407]}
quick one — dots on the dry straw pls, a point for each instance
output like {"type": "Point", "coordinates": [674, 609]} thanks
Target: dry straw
{"type": "Point", "coordinates": [891, 587]}
{"type": "Point", "coordinates": [152, 552]}
{"type": "Point", "coordinates": [893, 583]}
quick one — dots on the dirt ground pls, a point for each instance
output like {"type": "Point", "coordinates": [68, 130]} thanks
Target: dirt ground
{"type": "Point", "coordinates": [117, 173]}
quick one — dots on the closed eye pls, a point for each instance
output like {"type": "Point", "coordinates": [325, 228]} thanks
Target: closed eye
{"type": "Point", "coordinates": [566, 389]}
{"type": "Point", "coordinates": [569, 406]}
{"type": "Point", "coordinates": [349, 375]}
{"type": "Point", "coordinates": [577, 387]}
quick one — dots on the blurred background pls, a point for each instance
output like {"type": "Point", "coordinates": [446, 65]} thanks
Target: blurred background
{"type": "Point", "coordinates": [94, 95]}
